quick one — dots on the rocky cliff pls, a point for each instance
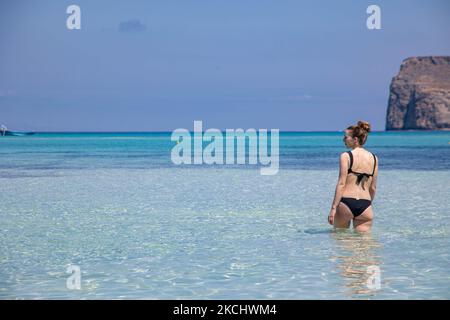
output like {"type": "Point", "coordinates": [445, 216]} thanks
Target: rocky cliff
{"type": "Point", "coordinates": [420, 95]}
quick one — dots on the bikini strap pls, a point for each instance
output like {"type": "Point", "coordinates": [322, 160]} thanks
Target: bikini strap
{"type": "Point", "coordinates": [374, 163]}
{"type": "Point", "coordinates": [351, 161]}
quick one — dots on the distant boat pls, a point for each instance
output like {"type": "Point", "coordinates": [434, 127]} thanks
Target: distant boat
{"type": "Point", "coordinates": [16, 134]}
{"type": "Point", "coordinates": [5, 132]}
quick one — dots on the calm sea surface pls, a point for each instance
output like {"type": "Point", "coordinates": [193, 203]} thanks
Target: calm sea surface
{"type": "Point", "coordinates": [140, 227]}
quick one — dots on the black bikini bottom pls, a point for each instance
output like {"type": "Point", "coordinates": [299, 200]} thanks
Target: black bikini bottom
{"type": "Point", "coordinates": [356, 206]}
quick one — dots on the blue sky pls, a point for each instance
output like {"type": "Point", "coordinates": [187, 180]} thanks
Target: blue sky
{"type": "Point", "coordinates": [160, 65]}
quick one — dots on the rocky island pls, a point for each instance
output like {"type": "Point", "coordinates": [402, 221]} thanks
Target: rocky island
{"type": "Point", "coordinates": [420, 95]}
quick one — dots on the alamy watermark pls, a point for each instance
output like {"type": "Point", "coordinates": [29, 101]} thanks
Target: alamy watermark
{"type": "Point", "coordinates": [187, 151]}
{"type": "Point", "coordinates": [73, 282]}
{"type": "Point", "coordinates": [73, 21]}
{"type": "Point", "coordinates": [374, 280]}
{"type": "Point", "coordinates": [373, 22]}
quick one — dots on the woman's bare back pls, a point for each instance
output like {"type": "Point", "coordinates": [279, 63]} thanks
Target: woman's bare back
{"type": "Point", "coordinates": [363, 162]}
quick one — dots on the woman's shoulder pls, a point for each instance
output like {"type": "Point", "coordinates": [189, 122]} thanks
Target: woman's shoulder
{"type": "Point", "coordinates": [367, 152]}
{"type": "Point", "coordinates": [345, 155]}
{"type": "Point", "coordinates": [372, 156]}
{"type": "Point", "coordinates": [371, 153]}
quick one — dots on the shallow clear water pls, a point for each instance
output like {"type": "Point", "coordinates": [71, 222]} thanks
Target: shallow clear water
{"type": "Point", "coordinates": [140, 227]}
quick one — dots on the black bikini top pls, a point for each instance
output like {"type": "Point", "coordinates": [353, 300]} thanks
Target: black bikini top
{"type": "Point", "coordinates": [361, 176]}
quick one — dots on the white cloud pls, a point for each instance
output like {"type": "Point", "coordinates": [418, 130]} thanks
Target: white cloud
{"type": "Point", "coordinates": [132, 26]}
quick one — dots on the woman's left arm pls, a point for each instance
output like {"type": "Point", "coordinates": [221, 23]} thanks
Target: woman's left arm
{"type": "Point", "coordinates": [343, 171]}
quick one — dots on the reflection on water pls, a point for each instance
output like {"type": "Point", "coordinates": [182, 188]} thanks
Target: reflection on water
{"type": "Point", "coordinates": [357, 257]}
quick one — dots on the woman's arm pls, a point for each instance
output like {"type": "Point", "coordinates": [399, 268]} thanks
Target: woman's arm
{"type": "Point", "coordinates": [373, 185]}
{"type": "Point", "coordinates": [343, 171]}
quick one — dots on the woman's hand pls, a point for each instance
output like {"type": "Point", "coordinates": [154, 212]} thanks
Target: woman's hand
{"type": "Point", "coordinates": [331, 216]}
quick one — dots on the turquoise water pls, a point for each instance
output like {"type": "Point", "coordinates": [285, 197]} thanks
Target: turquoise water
{"type": "Point", "coordinates": [140, 227]}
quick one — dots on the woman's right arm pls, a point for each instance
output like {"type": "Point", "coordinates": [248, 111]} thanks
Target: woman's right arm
{"type": "Point", "coordinates": [373, 185]}
{"type": "Point", "coordinates": [343, 170]}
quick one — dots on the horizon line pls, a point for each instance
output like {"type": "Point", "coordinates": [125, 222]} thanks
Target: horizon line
{"type": "Point", "coordinates": [281, 131]}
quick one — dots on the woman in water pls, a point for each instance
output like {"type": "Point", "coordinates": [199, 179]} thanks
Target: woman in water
{"type": "Point", "coordinates": [355, 190]}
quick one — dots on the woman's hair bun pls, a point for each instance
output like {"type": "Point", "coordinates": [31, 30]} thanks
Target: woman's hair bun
{"type": "Point", "coordinates": [364, 125]}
